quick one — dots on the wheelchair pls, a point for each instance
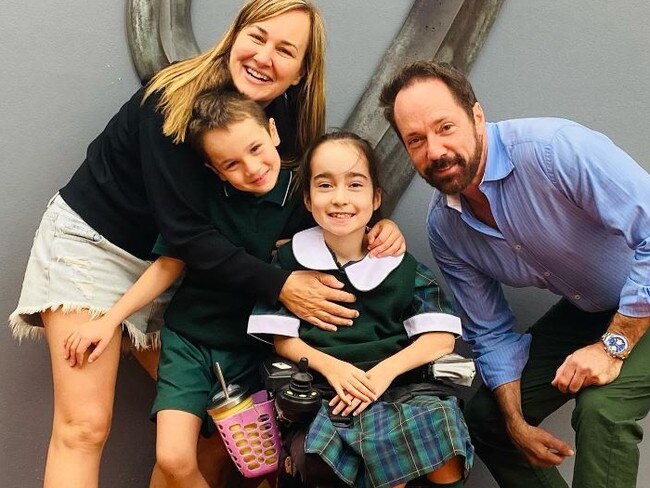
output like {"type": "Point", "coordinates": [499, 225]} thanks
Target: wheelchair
{"type": "Point", "coordinates": [298, 395]}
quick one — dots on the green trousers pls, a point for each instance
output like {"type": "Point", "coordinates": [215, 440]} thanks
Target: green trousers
{"type": "Point", "coordinates": [605, 418]}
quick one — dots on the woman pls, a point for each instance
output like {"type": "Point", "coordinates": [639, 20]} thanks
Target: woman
{"type": "Point", "coordinates": [140, 179]}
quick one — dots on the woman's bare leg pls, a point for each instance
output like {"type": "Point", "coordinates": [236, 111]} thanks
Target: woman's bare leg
{"type": "Point", "coordinates": [83, 406]}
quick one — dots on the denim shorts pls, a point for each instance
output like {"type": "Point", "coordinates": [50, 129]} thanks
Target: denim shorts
{"type": "Point", "coordinates": [74, 268]}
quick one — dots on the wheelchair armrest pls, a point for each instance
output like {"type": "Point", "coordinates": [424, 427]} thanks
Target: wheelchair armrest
{"type": "Point", "coordinates": [276, 372]}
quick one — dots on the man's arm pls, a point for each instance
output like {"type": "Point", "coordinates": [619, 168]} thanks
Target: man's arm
{"type": "Point", "coordinates": [614, 190]}
{"type": "Point", "coordinates": [488, 323]}
{"type": "Point", "coordinates": [538, 446]}
{"type": "Point", "coordinates": [591, 365]}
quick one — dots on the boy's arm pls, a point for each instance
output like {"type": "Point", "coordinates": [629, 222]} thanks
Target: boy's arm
{"type": "Point", "coordinates": [153, 282]}
{"type": "Point", "coordinates": [347, 380]}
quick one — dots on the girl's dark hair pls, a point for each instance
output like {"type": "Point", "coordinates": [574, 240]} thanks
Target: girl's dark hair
{"type": "Point", "coordinates": [343, 136]}
{"type": "Point", "coordinates": [218, 109]}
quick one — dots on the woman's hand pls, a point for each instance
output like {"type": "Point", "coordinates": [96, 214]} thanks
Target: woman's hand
{"type": "Point", "coordinates": [385, 239]}
{"type": "Point", "coordinates": [310, 295]}
{"type": "Point", "coordinates": [348, 381]}
{"type": "Point", "coordinates": [96, 332]}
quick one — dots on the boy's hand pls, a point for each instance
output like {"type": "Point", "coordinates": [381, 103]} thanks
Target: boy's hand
{"type": "Point", "coordinates": [348, 381]}
{"type": "Point", "coordinates": [385, 239]}
{"type": "Point", "coordinates": [96, 332]}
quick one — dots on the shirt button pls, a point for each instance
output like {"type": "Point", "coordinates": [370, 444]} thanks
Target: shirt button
{"type": "Point", "coordinates": [517, 247]}
{"type": "Point", "coordinates": [577, 296]}
{"type": "Point", "coordinates": [547, 274]}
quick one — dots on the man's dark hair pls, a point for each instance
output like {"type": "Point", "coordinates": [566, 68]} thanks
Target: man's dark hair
{"type": "Point", "coordinates": [455, 80]}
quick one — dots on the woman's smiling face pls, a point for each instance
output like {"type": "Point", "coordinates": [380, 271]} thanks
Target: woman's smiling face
{"type": "Point", "coordinates": [267, 56]}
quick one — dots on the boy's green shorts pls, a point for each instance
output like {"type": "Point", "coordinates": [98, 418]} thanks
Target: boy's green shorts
{"type": "Point", "coordinates": [186, 378]}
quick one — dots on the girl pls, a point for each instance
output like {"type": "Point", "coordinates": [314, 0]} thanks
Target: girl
{"type": "Point", "coordinates": [412, 428]}
{"type": "Point", "coordinates": [139, 179]}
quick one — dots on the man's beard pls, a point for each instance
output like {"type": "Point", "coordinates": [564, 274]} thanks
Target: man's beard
{"type": "Point", "coordinates": [456, 183]}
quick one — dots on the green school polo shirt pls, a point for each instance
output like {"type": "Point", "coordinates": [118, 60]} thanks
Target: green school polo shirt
{"type": "Point", "coordinates": [397, 299]}
{"type": "Point", "coordinates": [205, 311]}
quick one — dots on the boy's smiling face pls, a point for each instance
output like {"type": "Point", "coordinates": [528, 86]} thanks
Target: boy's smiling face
{"type": "Point", "coordinates": [245, 155]}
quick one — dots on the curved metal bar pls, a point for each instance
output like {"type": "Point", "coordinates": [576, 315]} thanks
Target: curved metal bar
{"type": "Point", "coordinates": [143, 33]}
{"type": "Point", "coordinates": [448, 30]}
{"type": "Point", "coordinates": [182, 34]}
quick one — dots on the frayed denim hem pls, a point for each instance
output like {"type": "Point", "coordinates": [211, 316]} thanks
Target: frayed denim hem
{"type": "Point", "coordinates": [22, 329]}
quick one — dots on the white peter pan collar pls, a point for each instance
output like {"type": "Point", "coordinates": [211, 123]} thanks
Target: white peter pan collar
{"type": "Point", "coordinates": [310, 250]}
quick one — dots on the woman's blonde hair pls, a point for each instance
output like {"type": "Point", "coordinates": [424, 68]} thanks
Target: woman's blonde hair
{"type": "Point", "coordinates": [180, 83]}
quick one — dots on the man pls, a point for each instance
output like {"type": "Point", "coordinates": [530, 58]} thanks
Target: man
{"type": "Point", "coordinates": [551, 204]}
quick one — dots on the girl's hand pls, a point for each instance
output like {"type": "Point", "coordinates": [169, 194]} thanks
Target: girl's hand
{"type": "Point", "coordinates": [348, 381]}
{"type": "Point", "coordinates": [96, 332]}
{"type": "Point", "coordinates": [355, 407]}
{"type": "Point", "coordinates": [380, 380]}
{"type": "Point", "coordinates": [310, 295]}
{"type": "Point", "coordinates": [385, 239]}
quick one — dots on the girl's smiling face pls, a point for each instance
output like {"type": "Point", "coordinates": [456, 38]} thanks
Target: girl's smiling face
{"type": "Point", "coordinates": [342, 197]}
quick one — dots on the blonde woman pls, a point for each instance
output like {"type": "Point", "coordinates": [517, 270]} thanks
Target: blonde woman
{"type": "Point", "coordinates": [139, 179]}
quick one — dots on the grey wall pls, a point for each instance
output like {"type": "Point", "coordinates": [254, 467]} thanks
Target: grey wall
{"type": "Point", "coordinates": [66, 69]}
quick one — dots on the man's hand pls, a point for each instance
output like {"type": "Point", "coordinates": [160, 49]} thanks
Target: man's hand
{"type": "Point", "coordinates": [588, 366]}
{"type": "Point", "coordinates": [538, 446]}
{"type": "Point", "coordinates": [311, 295]}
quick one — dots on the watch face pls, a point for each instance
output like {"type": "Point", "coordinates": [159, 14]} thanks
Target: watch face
{"type": "Point", "coordinates": [615, 343]}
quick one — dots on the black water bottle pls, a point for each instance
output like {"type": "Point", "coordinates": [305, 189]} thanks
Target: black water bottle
{"type": "Point", "coordinates": [298, 401]}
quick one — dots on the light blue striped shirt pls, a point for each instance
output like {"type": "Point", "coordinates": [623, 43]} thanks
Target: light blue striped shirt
{"type": "Point", "coordinates": [573, 212]}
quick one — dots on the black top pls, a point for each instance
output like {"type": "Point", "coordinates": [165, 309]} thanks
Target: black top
{"type": "Point", "coordinates": [136, 183]}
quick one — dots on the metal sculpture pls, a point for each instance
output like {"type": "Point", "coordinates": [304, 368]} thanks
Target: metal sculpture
{"type": "Point", "coordinates": [448, 30]}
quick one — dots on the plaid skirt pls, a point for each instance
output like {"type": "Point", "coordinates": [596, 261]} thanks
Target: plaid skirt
{"type": "Point", "coordinates": [392, 443]}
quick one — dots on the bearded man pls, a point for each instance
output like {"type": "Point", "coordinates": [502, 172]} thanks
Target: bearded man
{"type": "Point", "coordinates": [544, 203]}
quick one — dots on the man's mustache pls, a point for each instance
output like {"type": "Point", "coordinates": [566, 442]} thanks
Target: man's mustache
{"type": "Point", "coordinates": [444, 162]}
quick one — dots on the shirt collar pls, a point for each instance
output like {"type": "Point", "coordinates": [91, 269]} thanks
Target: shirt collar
{"type": "Point", "coordinates": [497, 166]}
{"type": "Point", "coordinates": [310, 251]}
{"type": "Point", "coordinates": [278, 195]}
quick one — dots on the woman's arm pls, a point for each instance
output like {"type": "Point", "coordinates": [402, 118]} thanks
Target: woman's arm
{"type": "Point", "coordinates": [154, 281]}
{"type": "Point", "coordinates": [343, 377]}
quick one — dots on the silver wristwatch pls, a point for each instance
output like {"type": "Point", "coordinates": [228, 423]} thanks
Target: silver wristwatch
{"type": "Point", "coordinates": [616, 345]}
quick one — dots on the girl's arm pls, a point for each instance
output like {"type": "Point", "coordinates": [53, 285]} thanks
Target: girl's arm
{"type": "Point", "coordinates": [153, 282]}
{"type": "Point", "coordinates": [425, 348]}
{"type": "Point", "coordinates": [345, 378]}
